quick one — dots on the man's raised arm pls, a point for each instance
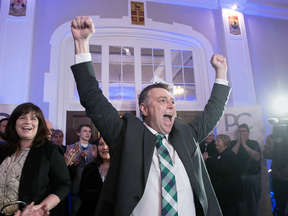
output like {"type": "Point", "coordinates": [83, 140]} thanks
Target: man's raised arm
{"type": "Point", "coordinates": [104, 116]}
{"type": "Point", "coordinates": [82, 29]}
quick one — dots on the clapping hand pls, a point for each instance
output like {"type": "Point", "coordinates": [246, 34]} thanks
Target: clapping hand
{"type": "Point", "coordinates": [241, 139]}
{"type": "Point", "coordinates": [71, 153]}
{"type": "Point", "coordinates": [30, 211]}
{"type": "Point", "coordinates": [77, 161]}
{"type": "Point", "coordinates": [84, 153]}
{"type": "Point", "coordinates": [94, 152]}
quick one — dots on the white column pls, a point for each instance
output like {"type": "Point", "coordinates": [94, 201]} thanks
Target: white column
{"type": "Point", "coordinates": [16, 53]}
{"type": "Point", "coordinates": [240, 72]}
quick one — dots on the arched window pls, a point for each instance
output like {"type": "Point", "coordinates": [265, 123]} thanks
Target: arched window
{"type": "Point", "coordinates": [122, 70]}
{"type": "Point", "coordinates": [128, 58]}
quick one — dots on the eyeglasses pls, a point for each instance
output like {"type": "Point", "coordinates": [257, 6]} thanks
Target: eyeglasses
{"type": "Point", "coordinates": [242, 131]}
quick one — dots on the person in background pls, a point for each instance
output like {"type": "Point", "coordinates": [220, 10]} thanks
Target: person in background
{"type": "Point", "coordinates": [57, 138]}
{"type": "Point", "coordinates": [249, 155]}
{"type": "Point", "coordinates": [32, 168]}
{"type": "Point", "coordinates": [93, 177]}
{"type": "Point", "coordinates": [208, 145]}
{"type": "Point", "coordinates": [225, 174]}
{"type": "Point", "coordinates": [276, 149]}
{"type": "Point", "coordinates": [3, 123]}
{"type": "Point", "coordinates": [69, 156]}
{"type": "Point", "coordinates": [82, 159]}
{"type": "Point", "coordinates": [50, 129]}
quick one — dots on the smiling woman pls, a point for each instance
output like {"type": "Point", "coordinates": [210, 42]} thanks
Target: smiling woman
{"type": "Point", "coordinates": [31, 167]}
{"type": "Point", "coordinates": [27, 127]}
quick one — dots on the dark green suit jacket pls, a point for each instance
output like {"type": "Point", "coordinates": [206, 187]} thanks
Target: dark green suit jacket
{"type": "Point", "coordinates": [132, 145]}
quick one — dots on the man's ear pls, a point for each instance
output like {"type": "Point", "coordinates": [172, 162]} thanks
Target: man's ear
{"type": "Point", "coordinates": [78, 134]}
{"type": "Point", "coordinates": [143, 109]}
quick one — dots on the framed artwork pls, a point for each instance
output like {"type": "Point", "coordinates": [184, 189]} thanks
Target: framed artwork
{"type": "Point", "coordinates": [234, 24]}
{"type": "Point", "coordinates": [18, 8]}
{"type": "Point", "coordinates": [137, 13]}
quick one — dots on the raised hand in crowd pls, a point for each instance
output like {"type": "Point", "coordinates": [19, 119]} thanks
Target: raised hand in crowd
{"type": "Point", "coordinates": [218, 62]}
{"type": "Point", "coordinates": [71, 153]}
{"type": "Point", "coordinates": [82, 29]}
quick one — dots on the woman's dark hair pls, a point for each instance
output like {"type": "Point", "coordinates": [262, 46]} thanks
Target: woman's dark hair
{"type": "Point", "coordinates": [99, 160]}
{"type": "Point", "coordinates": [12, 138]}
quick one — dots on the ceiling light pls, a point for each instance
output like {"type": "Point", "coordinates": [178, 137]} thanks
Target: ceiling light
{"type": "Point", "coordinates": [178, 90]}
{"type": "Point", "coordinates": [127, 51]}
{"type": "Point", "coordinates": [234, 7]}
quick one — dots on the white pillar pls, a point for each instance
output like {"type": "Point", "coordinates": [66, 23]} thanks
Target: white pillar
{"type": "Point", "coordinates": [16, 53]}
{"type": "Point", "coordinates": [239, 62]}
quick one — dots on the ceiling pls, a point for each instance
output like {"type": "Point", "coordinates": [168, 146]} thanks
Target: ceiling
{"type": "Point", "coordinates": [267, 8]}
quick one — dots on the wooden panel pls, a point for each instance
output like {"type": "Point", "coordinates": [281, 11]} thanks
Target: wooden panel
{"type": "Point", "coordinates": [76, 118]}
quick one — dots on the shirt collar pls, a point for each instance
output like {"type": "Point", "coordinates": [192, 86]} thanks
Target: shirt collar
{"type": "Point", "coordinates": [154, 131]}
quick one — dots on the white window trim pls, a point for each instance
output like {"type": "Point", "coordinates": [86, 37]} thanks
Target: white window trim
{"type": "Point", "coordinates": [62, 57]}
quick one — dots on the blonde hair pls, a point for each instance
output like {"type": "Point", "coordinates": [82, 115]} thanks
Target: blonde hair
{"type": "Point", "coordinates": [225, 138]}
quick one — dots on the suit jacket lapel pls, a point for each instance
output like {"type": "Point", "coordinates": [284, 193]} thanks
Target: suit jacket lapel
{"type": "Point", "coordinates": [149, 143]}
{"type": "Point", "coordinates": [185, 153]}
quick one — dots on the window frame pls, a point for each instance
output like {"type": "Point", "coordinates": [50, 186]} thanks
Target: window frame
{"type": "Point", "coordinates": [60, 100]}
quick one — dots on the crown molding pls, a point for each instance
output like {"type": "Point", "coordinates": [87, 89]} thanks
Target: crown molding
{"type": "Point", "coordinates": [267, 8]}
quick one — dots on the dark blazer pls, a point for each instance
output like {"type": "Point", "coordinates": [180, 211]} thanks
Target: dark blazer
{"type": "Point", "coordinates": [132, 145]}
{"type": "Point", "coordinates": [90, 188]}
{"type": "Point", "coordinates": [225, 176]}
{"type": "Point", "coordinates": [44, 172]}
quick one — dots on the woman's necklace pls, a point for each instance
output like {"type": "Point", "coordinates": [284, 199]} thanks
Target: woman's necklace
{"type": "Point", "coordinates": [104, 169]}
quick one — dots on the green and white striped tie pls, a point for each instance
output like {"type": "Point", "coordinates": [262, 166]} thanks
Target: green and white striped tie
{"type": "Point", "coordinates": [169, 192]}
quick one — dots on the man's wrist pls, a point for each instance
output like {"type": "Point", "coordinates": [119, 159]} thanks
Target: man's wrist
{"type": "Point", "coordinates": [81, 46]}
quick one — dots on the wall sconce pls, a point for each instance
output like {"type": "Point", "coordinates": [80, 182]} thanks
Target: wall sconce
{"type": "Point", "coordinates": [234, 7]}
